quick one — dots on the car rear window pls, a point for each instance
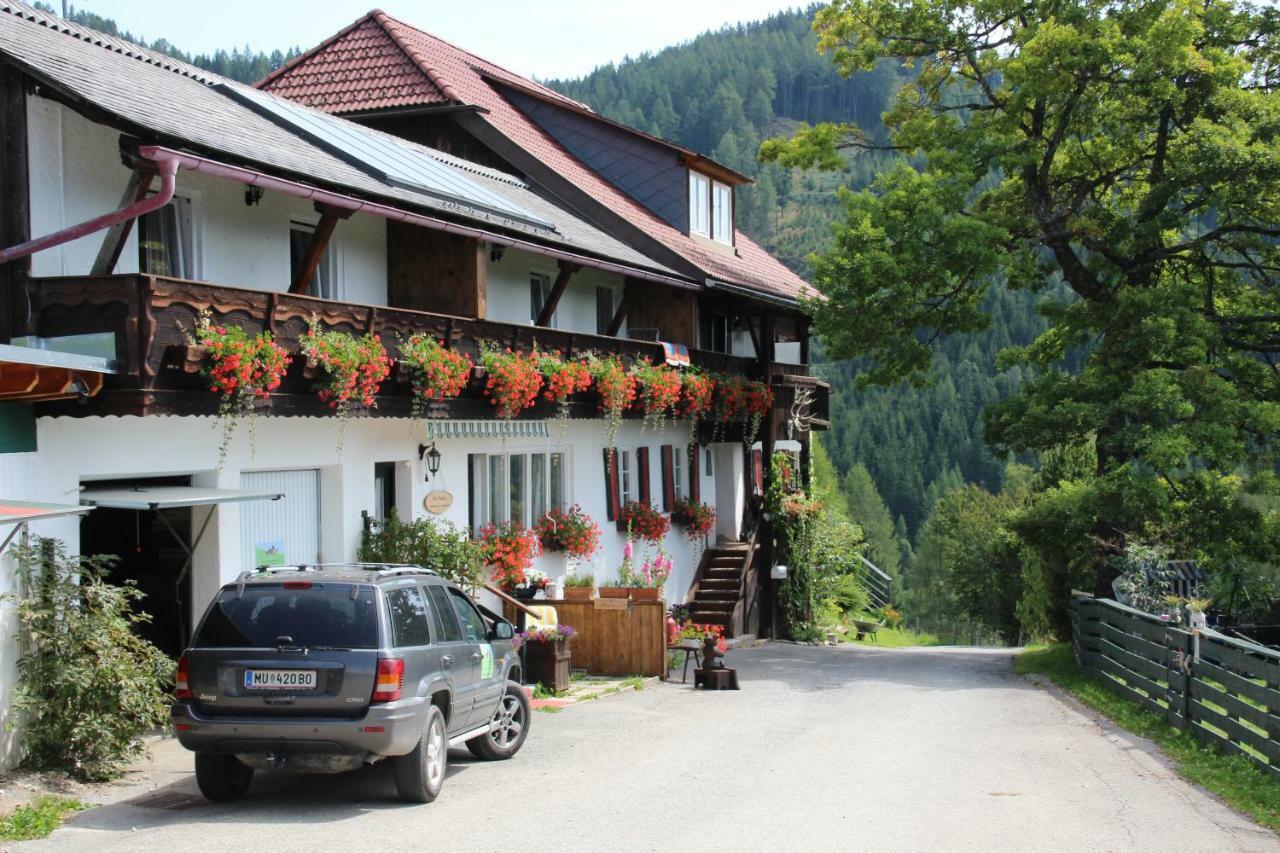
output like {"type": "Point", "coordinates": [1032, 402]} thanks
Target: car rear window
{"type": "Point", "coordinates": [342, 615]}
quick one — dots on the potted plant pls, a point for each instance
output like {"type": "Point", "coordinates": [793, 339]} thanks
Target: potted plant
{"type": "Point", "coordinates": [621, 589]}
{"type": "Point", "coordinates": [435, 373]}
{"type": "Point", "coordinates": [696, 394]}
{"type": "Point", "coordinates": [241, 369]}
{"type": "Point", "coordinates": [562, 379]}
{"type": "Point", "coordinates": [617, 389]}
{"type": "Point", "coordinates": [658, 390]}
{"type": "Point", "coordinates": [642, 519]}
{"type": "Point", "coordinates": [512, 380]}
{"type": "Point", "coordinates": [508, 549]}
{"type": "Point", "coordinates": [546, 656]}
{"type": "Point", "coordinates": [569, 531]}
{"type": "Point", "coordinates": [647, 582]}
{"type": "Point", "coordinates": [578, 587]}
{"type": "Point", "coordinates": [353, 367]}
{"type": "Point", "coordinates": [697, 519]}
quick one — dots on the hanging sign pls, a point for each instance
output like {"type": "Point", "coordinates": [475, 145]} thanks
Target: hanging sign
{"type": "Point", "coordinates": [437, 501]}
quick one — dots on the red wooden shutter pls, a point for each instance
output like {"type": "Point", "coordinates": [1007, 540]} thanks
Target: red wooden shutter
{"type": "Point", "coordinates": [695, 475]}
{"type": "Point", "coordinates": [611, 483]}
{"type": "Point", "coordinates": [642, 473]}
{"type": "Point", "coordinates": [757, 465]}
{"type": "Point", "coordinates": [668, 480]}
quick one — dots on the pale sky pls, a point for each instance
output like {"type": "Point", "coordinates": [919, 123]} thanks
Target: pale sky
{"type": "Point", "coordinates": [541, 38]}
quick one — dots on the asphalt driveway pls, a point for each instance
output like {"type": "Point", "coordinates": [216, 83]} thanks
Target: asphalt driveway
{"type": "Point", "coordinates": [823, 749]}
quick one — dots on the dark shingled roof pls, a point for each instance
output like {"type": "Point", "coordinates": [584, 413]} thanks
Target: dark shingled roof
{"type": "Point", "coordinates": [174, 101]}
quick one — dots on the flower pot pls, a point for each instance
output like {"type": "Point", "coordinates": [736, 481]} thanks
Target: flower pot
{"type": "Point", "coordinates": [651, 593]}
{"type": "Point", "coordinates": [577, 593]}
{"type": "Point", "coordinates": [614, 592]}
{"type": "Point", "coordinates": [524, 593]}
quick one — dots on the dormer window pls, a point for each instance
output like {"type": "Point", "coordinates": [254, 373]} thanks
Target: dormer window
{"type": "Point", "coordinates": [710, 208]}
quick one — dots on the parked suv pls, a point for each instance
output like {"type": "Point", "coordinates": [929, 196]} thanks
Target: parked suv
{"type": "Point", "coordinates": [326, 668]}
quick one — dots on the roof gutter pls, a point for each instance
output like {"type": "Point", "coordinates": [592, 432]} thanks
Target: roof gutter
{"type": "Point", "coordinates": [715, 284]}
{"type": "Point", "coordinates": [169, 161]}
{"type": "Point", "coordinates": [166, 162]}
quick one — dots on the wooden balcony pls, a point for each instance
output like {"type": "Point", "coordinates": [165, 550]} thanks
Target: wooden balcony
{"type": "Point", "coordinates": [153, 318]}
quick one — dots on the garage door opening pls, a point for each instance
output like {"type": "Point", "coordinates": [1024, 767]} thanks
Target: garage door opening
{"type": "Point", "coordinates": [149, 555]}
{"type": "Point", "coordinates": [153, 527]}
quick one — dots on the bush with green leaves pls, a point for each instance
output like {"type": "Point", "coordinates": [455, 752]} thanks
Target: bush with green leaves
{"type": "Point", "coordinates": [438, 545]}
{"type": "Point", "coordinates": [89, 688]}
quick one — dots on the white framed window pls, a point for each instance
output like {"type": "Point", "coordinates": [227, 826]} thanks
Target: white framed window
{"type": "Point", "coordinates": [325, 282]}
{"type": "Point", "coordinates": [521, 486]}
{"type": "Point", "coordinates": [722, 213]}
{"type": "Point", "coordinates": [167, 241]}
{"type": "Point", "coordinates": [539, 295]}
{"type": "Point", "coordinates": [699, 204]}
{"type": "Point", "coordinates": [604, 309]}
{"type": "Point", "coordinates": [679, 463]}
{"type": "Point", "coordinates": [628, 485]}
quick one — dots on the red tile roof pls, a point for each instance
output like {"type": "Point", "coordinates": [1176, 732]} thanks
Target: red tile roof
{"type": "Point", "coordinates": [379, 62]}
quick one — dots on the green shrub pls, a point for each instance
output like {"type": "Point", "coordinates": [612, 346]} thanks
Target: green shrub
{"type": "Point", "coordinates": [851, 596]}
{"type": "Point", "coordinates": [89, 688]}
{"type": "Point", "coordinates": [586, 581]}
{"type": "Point", "coordinates": [37, 818]}
{"type": "Point", "coordinates": [440, 546]}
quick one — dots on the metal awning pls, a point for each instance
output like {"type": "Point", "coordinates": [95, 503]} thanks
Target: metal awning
{"type": "Point", "coordinates": [167, 497]}
{"type": "Point", "coordinates": [19, 513]}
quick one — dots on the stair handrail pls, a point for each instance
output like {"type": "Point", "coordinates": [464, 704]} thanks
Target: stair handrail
{"type": "Point", "coordinates": [747, 586]}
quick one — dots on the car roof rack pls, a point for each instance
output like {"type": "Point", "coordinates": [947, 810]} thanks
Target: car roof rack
{"type": "Point", "coordinates": [381, 569]}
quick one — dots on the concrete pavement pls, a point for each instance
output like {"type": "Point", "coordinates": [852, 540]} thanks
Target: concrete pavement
{"type": "Point", "coordinates": [847, 748]}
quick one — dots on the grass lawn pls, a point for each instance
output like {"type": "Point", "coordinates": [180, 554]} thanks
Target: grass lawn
{"type": "Point", "coordinates": [895, 638]}
{"type": "Point", "coordinates": [1233, 778]}
{"type": "Point", "coordinates": [37, 818]}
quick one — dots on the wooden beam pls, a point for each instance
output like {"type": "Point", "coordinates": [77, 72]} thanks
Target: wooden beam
{"type": "Point", "coordinates": [619, 316]}
{"type": "Point", "coordinates": [557, 290]}
{"type": "Point", "coordinates": [17, 379]}
{"type": "Point", "coordinates": [329, 217]}
{"type": "Point", "coordinates": [113, 242]}
{"type": "Point", "coordinates": [15, 223]}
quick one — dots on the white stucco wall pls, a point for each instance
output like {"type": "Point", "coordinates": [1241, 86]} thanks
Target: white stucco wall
{"type": "Point", "coordinates": [76, 174]}
{"type": "Point", "coordinates": [509, 295]}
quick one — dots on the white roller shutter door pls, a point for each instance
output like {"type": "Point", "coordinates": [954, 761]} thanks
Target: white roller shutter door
{"type": "Point", "coordinates": [291, 523]}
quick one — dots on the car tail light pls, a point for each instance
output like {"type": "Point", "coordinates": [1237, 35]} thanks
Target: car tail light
{"type": "Point", "coordinates": [390, 680]}
{"type": "Point", "coordinates": [181, 690]}
{"type": "Point", "coordinates": [297, 584]}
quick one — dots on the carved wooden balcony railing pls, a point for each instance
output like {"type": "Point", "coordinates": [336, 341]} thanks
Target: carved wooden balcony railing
{"type": "Point", "coordinates": [153, 318]}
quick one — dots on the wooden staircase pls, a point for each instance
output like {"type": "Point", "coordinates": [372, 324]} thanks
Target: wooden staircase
{"type": "Point", "coordinates": [724, 589]}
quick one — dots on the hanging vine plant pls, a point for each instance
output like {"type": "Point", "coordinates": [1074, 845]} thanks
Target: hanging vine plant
{"type": "Point", "coordinates": [657, 390]}
{"type": "Point", "coordinates": [435, 373]}
{"type": "Point", "coordinates": [757, 406]}
{"type": "Point", "coordinates": [617, 389]}
{"type": "Point", "coordinates": [354, 369]}
{"type": "Point", "coordinates": [696, 394]}
{"type": "Point", "coordinates": [240, 369]}
{"type": "Point", "coordinates": [513, 380]}
{"type": "Point", "coordinates": [562, 379]}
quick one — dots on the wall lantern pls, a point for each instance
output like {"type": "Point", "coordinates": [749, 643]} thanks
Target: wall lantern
{"type": "Point", "coordinates": [496, 253]}
{"type": "Point", "coordinates": [432, 456]}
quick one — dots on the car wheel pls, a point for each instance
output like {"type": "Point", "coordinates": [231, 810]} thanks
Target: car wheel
{"type": "Point", "coordinates": [222, 777]}
{"type": "Point", "coordinates": [509, 728]}
{"type": "Point", "coordinates": [420, 773]}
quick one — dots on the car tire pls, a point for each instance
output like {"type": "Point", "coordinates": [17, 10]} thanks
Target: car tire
{"type": "Point", "coordinates": [222, 777]}
{"type": "Point", "coordinates": [420, 773]}
{"type": "Point", "coordinates": [510, 727]}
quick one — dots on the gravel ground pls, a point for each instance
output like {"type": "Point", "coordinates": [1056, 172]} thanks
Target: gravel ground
{"type": "Point", "coordinates": [824, 748]}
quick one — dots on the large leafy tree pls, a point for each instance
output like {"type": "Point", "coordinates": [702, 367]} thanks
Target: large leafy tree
{"type": "Point", "coordinates": [1128, 151]}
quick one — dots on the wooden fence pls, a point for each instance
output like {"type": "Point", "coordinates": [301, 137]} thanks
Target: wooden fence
{"type": "Point", "coordinates": [615, 636]}
{"type": "Point", "coordinates": [1225, 691]}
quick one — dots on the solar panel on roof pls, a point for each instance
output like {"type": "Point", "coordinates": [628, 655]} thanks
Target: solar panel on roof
{"type": "Point", "coordinates": [381, 156]}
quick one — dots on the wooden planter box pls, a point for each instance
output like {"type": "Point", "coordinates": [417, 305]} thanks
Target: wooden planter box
{"type": "Point", "coordinates": [547, 664]}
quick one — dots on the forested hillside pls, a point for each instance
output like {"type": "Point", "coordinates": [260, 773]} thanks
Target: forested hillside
{"type": "Point", "coordinates": [723, 93]}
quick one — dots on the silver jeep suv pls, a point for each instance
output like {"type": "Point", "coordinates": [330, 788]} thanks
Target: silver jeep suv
{"type": "Point", "coordinates": [325, 668]}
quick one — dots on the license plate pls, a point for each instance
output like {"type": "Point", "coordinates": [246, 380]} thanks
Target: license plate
{"type": "Point", "coordinates": [280, 679]}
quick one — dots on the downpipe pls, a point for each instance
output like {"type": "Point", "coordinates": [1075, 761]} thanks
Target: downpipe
{"type": "Point", "coordinates": [167, 167]}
